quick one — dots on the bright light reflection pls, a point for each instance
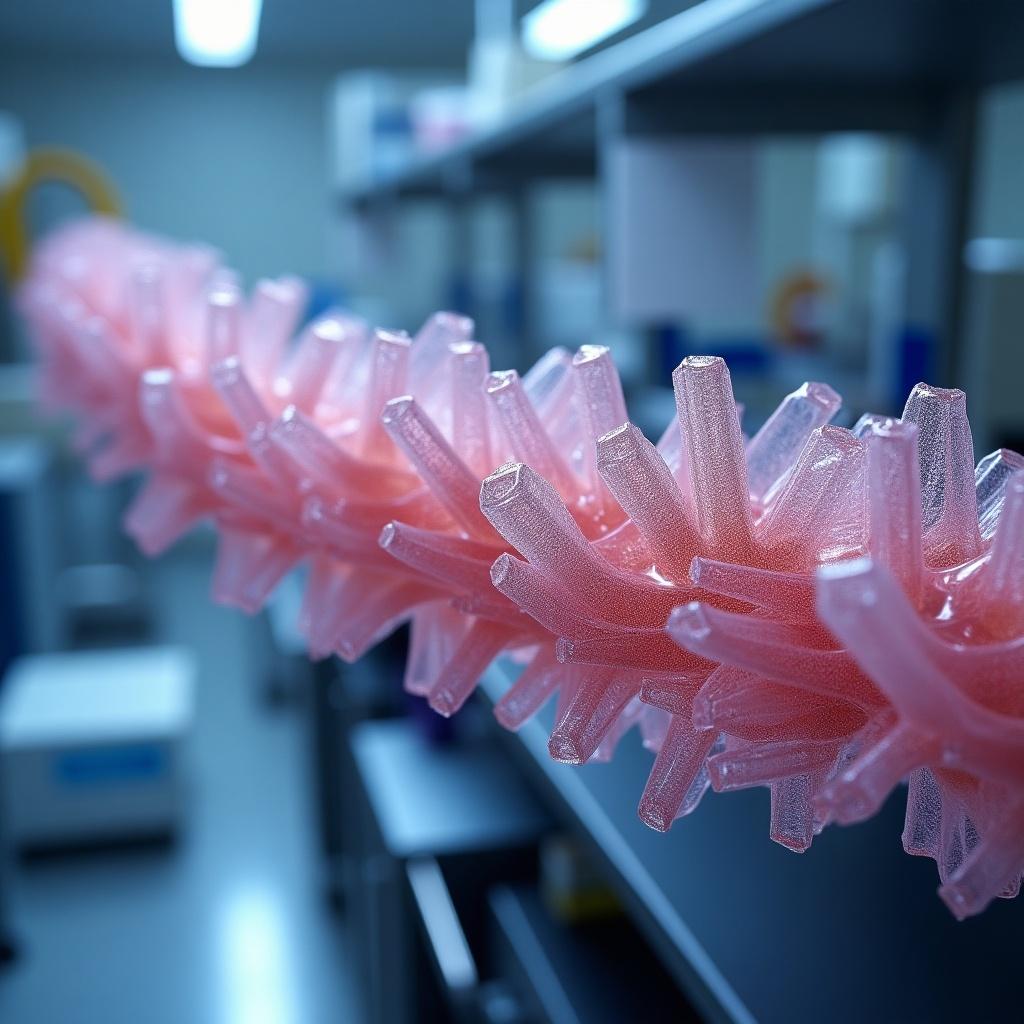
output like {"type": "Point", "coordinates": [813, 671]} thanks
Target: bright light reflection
{"type": "Point", "coordinates": [217, 33]}
{"type": "Point", "coordinates": [257, 971]}
{"type": "Point", "coordinates": [560, 29]}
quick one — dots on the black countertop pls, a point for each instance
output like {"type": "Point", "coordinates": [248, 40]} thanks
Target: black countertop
{"type": "Point", "coordinates": [850, 931]}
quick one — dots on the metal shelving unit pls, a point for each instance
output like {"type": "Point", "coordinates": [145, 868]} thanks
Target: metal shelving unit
{"type": "Point", "coordinates": [743, 68]}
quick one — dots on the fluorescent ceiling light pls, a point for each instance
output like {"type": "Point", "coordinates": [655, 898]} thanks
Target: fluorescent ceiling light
{"type": "Point", "coordinates": [560, 29]}
{"type": "Point", "coordinates": [217, 33]}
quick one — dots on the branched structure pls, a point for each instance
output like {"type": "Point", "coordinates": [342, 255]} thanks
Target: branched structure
{"type": "Point", "coordinates": [822, 611]}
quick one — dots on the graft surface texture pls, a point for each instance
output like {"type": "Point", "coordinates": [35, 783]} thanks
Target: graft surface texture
{"type": "Point", "coordinates": [822, 611]}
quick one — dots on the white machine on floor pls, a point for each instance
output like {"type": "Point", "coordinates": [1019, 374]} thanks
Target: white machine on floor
{"type": "Point", "coordinates": [91, 745]}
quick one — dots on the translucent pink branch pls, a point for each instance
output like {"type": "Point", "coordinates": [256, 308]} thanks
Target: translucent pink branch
{"type": "Point", "coordinates": [727, 637]}
{"type": "Point", "coordinates": [449, 478]}
{"type": "Point", "coordinates": [775, 448]}
{"type": "Point", "coordinates": [678, 780]}
{"type": "Point", "coordinates": [792, 593]}
{"type": "Point", "coordinates": [895, 503]}
{"type": "Point", "coordinates": [946, 456]}
{"type": "Point", "coordinates": [530, 692]}
{"type": "Point", "coordinates": [471, 430]}
{"type": "Point", "coordinates": [643, 485]}
{"type": "Point", "coordinates": [708, 421]}
{"type": "Point", "coordinates": [389, 367]}
{"type": "Point", "coordinates": [525, 433]}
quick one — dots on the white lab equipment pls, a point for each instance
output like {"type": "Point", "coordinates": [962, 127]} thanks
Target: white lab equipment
{"type": "Point", "coordinates": [91, 745]}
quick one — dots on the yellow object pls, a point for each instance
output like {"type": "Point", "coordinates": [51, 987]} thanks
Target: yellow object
{"type": "Point", "coordinates": [789, 309]}
{"type": "Point", "coordinates": [48, 164]}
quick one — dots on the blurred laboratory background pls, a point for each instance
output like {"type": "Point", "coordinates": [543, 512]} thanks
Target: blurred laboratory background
{"type": "Point", "coordinates": [198, 824]}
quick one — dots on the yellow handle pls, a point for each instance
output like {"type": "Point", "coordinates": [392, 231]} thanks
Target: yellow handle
{"type": "Point", "coordinates": [48, 164]}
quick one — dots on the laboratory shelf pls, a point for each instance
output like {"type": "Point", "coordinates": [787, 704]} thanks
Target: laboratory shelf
{"type": "Point", "coordinates": [762, 66]}
{"type": "Point", "coordinates": [737, 70]}
{"type": "Point", "coordinates": [851, 931]}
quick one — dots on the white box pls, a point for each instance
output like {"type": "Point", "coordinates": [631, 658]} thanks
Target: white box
{"type": "Point", "coordinates": [91, 744]}
{"type": "Point", "coordinates": [681, 225]}
{"type": "Point", "coordinates": [370, 125]}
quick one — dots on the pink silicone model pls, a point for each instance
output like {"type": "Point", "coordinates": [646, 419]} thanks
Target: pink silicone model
{"type": "Point", "coordinates": [822, 611]}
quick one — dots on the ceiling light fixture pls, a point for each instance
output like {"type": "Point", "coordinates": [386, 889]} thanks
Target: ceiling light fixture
{"type": "Point", "coordinates": [217, 33]}
{"type": "Point", "coordinates": [561, 29]}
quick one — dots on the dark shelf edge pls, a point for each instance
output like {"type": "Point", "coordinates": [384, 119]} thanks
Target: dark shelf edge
{"type": "Point", "coordinates": [680, 951]}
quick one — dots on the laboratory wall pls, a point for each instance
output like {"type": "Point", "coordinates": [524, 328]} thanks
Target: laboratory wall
{"type": "Point", "coordinates": [998, 208]}
{"type": "Point", "coordinates": [236, 159]}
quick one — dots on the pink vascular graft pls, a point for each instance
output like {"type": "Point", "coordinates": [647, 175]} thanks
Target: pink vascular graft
{"type": "Point", "coordinates": [821, 611]}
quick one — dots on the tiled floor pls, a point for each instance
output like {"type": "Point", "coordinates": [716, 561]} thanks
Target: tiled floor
{"type": "Point", "coordinates": [228, 927]}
